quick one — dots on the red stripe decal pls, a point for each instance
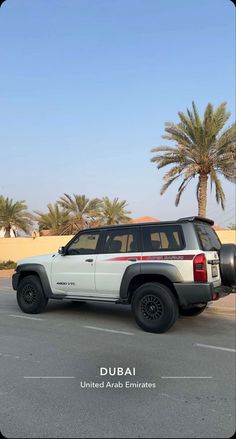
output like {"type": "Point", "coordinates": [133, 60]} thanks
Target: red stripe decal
{"type": "Point", "coordinates": [125, 258]}
{"type": "Point", "coordinates": [154, 258]}
{"type": "Point", "coordinates": [168, 258]}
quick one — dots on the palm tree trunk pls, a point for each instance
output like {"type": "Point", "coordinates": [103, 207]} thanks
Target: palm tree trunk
{"type": "Point", "coordinates": [202, 195]}
{"type": "Point", "coordinates": [7, 232]}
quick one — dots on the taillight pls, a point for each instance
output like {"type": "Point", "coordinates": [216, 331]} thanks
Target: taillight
{"type": "Point", "coordinates": [200, 268]}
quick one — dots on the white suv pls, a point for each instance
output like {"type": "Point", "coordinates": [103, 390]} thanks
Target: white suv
{"type": "Point", "coordinates": [161, 269]}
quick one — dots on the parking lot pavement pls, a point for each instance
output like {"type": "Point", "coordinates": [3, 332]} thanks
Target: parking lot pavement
{"type": "Point", "coordinates": [47, 359]}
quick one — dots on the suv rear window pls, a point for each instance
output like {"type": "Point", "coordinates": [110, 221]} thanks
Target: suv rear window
{"type": "Point", "coordinates": [162, 238]}
{"type": "Point", "coordinates": [207, 237]}
{"type": "Point", "coordinates": [121, 241]}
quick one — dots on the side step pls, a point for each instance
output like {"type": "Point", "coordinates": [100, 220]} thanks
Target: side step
{"type": "Point", "coordinates": [91, 298]}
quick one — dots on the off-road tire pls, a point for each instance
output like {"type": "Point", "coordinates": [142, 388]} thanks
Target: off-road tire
{"type": "Point", "coordinates": [228, 264]}
{"type": "Point", "coordinates": [154, 307]}
{"type": "Point", "coordinates": [30, 296]}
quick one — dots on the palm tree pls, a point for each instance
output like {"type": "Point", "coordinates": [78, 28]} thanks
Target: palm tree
{"type": "Point", "coordinates": [113, 211]}
{"type": "Point", "coordinates": [56, 220]}
{"type": "Point", "coordinates": [81, 209]}
{"type": "Point", "coordinates": [14, 216]}
{"type": "Point", "coordinates": [201, 150]}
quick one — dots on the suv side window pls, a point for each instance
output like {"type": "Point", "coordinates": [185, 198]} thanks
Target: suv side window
{"type": "Point", "coordinates": [84, 244]}
{"type": "Point", "coordinates": [207, 237]}
{"type": "Point", "coordinates": [121, 241]}
{"type": "Point", "coordinates": [162, 238]}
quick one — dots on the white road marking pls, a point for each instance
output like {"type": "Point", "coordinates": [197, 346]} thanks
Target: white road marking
{"type": "Point", "coordinates": [4, 292]}
{"type": "Point", "coordinates": [189, 378]}
{"type": "Point", "coordinates": [24, 317]}
{"type": "Point", "coordinates": [214, 347]}
{"type": "Point", "coordinates": [5, 410]}
{"type": "Point", "coordinates": [17, 357]}
{"type": "Point", "coordinates": [42, 377]}
{"type": "Point", "coordinates": [108, 330]}
{"type": "Point", "coordinates": [172, 397]}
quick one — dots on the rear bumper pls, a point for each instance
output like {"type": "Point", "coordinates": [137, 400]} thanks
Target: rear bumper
{"type": "Point", "coordinates": [192, 293]}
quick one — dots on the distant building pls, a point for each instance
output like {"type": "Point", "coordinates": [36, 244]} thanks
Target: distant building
{"type": "Point", "coordinates": [216, 227]}
{"type": "Point", "coordinates": [145, 219]}
{"type": "Point", "coordinates": [46, 232]}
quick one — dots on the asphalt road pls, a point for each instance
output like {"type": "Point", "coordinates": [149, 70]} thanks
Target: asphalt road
{"type": "Point", "coordinates": [46, 359]}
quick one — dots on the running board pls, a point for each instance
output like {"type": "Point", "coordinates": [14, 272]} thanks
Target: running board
{"type": "Point", "coordinates": [89, 298]}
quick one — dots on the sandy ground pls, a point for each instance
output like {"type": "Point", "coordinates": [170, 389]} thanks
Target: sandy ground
{"type": "Point", "coordinates": [6, 273]}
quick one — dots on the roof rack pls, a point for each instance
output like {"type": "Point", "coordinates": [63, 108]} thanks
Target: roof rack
{"type": "Point", "coordinates": [197, 218]}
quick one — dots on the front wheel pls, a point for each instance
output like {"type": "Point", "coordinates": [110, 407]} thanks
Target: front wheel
{"type": "Point", "coordinates": [192, 310]}
{"type": "Point", "coordinates": [30, 296]}
{"type": "Point", "coordinates": [154, 307]}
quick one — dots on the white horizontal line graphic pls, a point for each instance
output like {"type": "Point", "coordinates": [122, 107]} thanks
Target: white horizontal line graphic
{"type": "Point", "coordinates": [46, 377]}
{"type": "Point", "coordinates": [189, 378]}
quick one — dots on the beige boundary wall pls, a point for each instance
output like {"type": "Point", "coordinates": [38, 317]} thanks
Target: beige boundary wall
{"type": "Point", "coordinates": [18, 248]}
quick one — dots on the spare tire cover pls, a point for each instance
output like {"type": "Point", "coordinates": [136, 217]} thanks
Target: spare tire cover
{"type": "Point", "coordinates": [228, 264]}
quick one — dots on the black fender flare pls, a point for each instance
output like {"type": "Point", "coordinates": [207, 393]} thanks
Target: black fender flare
{"type": "Point", "coordinates": [167, 270]}
{"type": "Point", "coordinates": [39, 270]}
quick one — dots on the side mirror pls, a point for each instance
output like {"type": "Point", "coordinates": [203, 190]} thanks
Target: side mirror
{"type": "Point", "coordinates": [61, 251]}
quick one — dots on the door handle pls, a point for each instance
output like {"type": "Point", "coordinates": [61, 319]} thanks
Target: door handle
{"type": "Point", "coordinates": [88, 260]}
{"type": "Point", "coordinates": [132, 259]}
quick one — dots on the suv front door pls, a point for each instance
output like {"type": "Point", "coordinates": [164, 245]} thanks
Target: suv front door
{"type": "Point", "coordinates": [74, 272]}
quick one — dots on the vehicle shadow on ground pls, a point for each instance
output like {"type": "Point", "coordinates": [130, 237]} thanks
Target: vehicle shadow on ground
{"type": "Point", "coordinates": [207, 322]}
{"type": "Point", "coordinates": [92, 311]}
{"type": "Point", "coordinates": [116, 315]}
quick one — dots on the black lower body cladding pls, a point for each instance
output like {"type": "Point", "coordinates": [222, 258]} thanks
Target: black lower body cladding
{"type": "Point", "coordinates": [192, 311]}
{"type": "Point", "coordinates": [191, 293]}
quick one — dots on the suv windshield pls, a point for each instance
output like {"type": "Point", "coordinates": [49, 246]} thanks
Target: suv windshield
{"type": "Point", "coordinates": [207, 237]}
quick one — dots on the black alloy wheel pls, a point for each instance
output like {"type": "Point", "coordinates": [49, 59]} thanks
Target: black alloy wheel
{"type": "Point", "coordinates": [30, 295]}
{"type": "Point", "coordinates": [154, 307]}
{"type": "Point", "coordinates": [151, 307]}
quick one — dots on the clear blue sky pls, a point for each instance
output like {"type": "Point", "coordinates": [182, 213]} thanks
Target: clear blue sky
{"type": "Point", "coordinates": [87, 85]}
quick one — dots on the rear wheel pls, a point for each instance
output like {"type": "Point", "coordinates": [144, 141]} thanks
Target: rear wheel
{"type": "Point", "coordinates": [192, 310]}
{"type": "Point", "coordinates": [30, 296]}
{"type": "Point", "coordinates": [154, 307]}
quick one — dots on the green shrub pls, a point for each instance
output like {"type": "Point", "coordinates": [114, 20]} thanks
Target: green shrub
{"type": "Point", "coordinates": [4, 265]}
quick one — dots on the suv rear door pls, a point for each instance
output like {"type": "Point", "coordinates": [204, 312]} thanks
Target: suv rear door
{"type": "Point", "coordinates": [210, 244]}
{"type": "Point", "coordinates": [120, 248]}
{"type": "Point", "coordinates": [165, 243]}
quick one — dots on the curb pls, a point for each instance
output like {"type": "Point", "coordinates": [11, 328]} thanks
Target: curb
{"type": "Point", "coordinates": [222, 310]}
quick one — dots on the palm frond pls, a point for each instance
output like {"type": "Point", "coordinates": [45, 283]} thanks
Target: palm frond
{"type": "Point", "coordinates": [181, 189]}
{"type": "Point", "coordinates": [201, 148]}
